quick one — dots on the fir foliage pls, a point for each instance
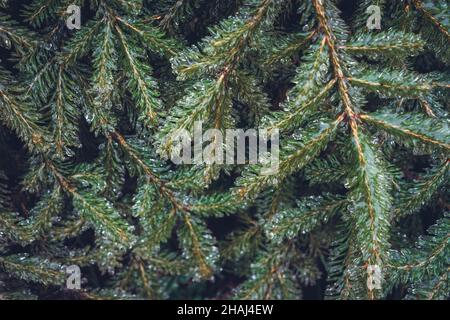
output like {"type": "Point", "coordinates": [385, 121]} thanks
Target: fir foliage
{"type": "Point", "coordinates": [364, 156]}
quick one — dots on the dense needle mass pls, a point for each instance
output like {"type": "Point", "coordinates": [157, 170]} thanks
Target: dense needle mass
{"type": "Point", "coordinates": [357, 210]}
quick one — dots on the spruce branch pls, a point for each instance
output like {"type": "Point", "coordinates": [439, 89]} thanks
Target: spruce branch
{"type": "Point", "coordinates": [363, 163]}
{"type": "Point", "coordinates": [413, 196]}
{"type": "Point", "coordinates": [291, 47]}
{"type": "Point", "coordinates": [440, 26]}
{"type": "Point", "coordinates": [371, 204]}
{"type": "Point", "coordinates": [142, 86]}
{"type": "Point", "coordinates": [405, 126]}
{"type": "Point", "coordinates": [33, 269]}
{"type": "Point", "coordinates": [249, 186]}
{"type": "Point", "coordinates": [386, 44]}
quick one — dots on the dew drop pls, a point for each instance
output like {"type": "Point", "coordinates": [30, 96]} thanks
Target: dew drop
{"type": "Point", "coordinates": [5, 42]}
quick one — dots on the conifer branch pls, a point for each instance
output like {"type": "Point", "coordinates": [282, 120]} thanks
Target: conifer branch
{"type": "Point", "coordinates": [20, 119]}
{"type": "Point", "coordinates": [386, 43]}
{"type": "Point", "coordinates": [414, 196]}
{"type": "Point", "coordinates": [145, 94]}
{"type": "Point", "coordinates": [363, 153]}
{"type": "Point", "coordinates": [372, 202]}
{"type": "Point", "coordinates": [290, 48]}
{"type": "Point", "coordinates": [403, 125]}
{"type": "Point", "coordinates": [336, 61]}
{"type": "Point", "coordinates": [98, 212]}
{"type": "Point", "coordinates": [250, 186]}
{"type": "Point", "coordinates": [149, 173]}
{"type": "Point", "coordinates": [32, 269]}
{"type": "Point", "coordinates": [419, 6]}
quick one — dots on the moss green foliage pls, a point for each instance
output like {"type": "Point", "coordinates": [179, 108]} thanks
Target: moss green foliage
{"type": "Point", "coordinates": [364, 158]}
